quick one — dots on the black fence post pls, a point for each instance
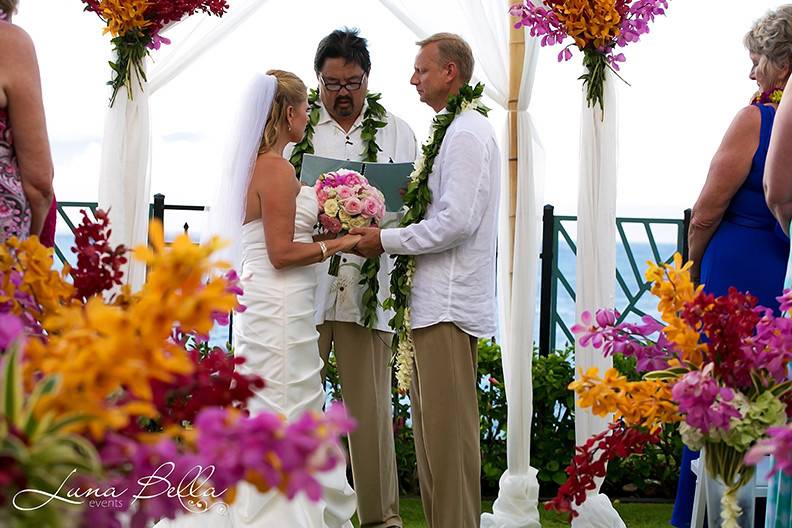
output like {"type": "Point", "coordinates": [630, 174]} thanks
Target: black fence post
{"type": "Point", "coordinates": [686, 230]}
{"type": "Point", "coordinates": [545, 303]}
{"type": "Point", "coordinates": [159, 208]}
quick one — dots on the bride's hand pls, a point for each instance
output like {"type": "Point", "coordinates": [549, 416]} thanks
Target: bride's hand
{"type": "Point", "coordinates": [348, 242]}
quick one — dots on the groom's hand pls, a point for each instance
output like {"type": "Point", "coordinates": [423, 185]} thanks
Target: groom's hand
{"type": "Point", "coordinates": [370, 245]}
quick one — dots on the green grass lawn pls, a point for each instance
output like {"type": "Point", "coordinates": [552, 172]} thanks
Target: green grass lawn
{"type": "Point", "coordinates": [634, 515]}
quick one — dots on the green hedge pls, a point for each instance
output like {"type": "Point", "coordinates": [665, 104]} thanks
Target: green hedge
{"type": "Point", "coordinates": [653, 474]}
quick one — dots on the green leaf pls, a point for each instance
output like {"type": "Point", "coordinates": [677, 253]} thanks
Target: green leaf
{"type": "Point", "coordinates": [12, 387]}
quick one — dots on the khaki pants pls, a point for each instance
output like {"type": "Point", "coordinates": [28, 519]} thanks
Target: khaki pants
{"type": "Point", "coordinates": [363, 359]}
{"type": "Point", "coordinates": [446, 425]}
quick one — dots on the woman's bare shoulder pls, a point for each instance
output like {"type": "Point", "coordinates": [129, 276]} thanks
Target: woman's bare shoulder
{"type": "Point", "coordinates": [748, 117]}
{"type": "Point", "coordinates": [273, 170]}
{"type": "Point", "coordinates": [14, 39]}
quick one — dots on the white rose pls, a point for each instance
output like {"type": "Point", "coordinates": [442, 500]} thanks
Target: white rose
{"type": "Point", "coordinates": [331, 207]}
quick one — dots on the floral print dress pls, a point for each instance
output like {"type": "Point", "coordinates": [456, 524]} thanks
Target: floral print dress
{"type": "Point", "coordinates": [14, 208]}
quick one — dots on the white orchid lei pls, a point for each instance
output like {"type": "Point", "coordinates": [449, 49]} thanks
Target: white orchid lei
{"type": "Point", "coordinates": [416, 202]}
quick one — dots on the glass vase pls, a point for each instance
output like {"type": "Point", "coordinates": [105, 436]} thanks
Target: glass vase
{"type": "Point", "coordinates": [724, 463]}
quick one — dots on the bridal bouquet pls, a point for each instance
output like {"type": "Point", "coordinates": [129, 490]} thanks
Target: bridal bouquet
{"type": "Point", "coordinates": [596, 27]}
{"type": "Point", "coordinates": [136, 25]}
{"type": "Point", "coordinates": [113, 393]}
{"type": "Point", "coordinates": [346, 201]}
{"type": "Point", "coordinates": [718, 366]}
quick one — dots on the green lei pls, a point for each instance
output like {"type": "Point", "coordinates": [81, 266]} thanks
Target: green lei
{"type": "Point", "coordinates": [373, 120]}
{"type": "Point", "coordinates": [416, 202]}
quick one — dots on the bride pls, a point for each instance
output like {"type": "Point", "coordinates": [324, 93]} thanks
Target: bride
{"type": "Point", "coordinates": [269, 218]}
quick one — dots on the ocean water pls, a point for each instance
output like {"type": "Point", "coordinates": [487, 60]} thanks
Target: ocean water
{"type": "Point", "coordinates": [632, 278]}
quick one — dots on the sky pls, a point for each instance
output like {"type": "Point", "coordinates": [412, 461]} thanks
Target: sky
{"type": "Point", "coordinates": [688, 78]}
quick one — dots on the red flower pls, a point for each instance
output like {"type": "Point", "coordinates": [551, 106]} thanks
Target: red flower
{"type": "Point", "coordinates": [726, 321]}
{"type": "Point", "coordinates": [214, 383]}
{"type": "Point", "coordinates": [618, 441]}
{"type": "Point", "coordinates": [98, 264]}
{"type": "Point", "coordinates": [163, 12]}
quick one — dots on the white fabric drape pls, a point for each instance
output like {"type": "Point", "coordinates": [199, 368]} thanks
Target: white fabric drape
{"type": "Point", "coordinates": [124, 173]}
{"type": "Point", "coordinates": [596, 265]}
{"type": "Point", "coordinates": [485, 26]}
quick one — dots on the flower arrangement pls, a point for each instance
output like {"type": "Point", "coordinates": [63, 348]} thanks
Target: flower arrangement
{"type": "Point", "coordinates": [597, 27]}
{"type": "Point", "coordinates": [136, 27]}
{"type": "Point", "coordinates": [120, 387]}
{"type": "Point", "coordinates": [718, 367]}
{"type": "Point", "coordinates": [346, 201]}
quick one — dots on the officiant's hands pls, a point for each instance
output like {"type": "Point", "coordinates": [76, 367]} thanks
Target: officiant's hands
{"type": "Point", "coordinates": [369, 245]}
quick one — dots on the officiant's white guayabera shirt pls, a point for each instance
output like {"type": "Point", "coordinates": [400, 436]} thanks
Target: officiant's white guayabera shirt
{"type": "Point", "coordinates": [455, 244]}
{"type": "Point", "coordinates": [339, 298]}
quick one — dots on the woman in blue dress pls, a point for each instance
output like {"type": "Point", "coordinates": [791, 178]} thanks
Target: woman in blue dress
{"type": "Point", "coordinates": [734, 239]}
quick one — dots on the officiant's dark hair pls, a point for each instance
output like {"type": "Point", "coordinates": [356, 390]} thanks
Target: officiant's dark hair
{"type": "Point", "coordinates": [345, 44]}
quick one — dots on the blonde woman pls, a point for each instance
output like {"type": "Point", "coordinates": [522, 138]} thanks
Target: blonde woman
{"type": "Point", "coordinates": [269, 218]}
{"type": "Point", "coordinates": [734, 239]}
{"type": "Point", "coordinates": [25, 161]}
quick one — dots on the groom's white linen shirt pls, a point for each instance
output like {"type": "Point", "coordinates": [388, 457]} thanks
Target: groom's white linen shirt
{"type": "Point", "coordinates": [339, 298]}
{"type": "Point", "coordinates": [455, 244]}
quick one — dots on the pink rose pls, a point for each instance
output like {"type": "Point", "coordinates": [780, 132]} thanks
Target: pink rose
{"type": "Point", "coordinates": [353, 206]}
{"type": "Point", "coordinates": [331, 225]}
{"type": "Point", "coordinates": [321, 196]}
{"type": "Point", "coordinates": [370, 208]}
{"type": "Point", "coordinates": [344, 192]}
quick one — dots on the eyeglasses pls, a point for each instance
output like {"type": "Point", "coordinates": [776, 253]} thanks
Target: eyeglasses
{"type": "Point", "coordinates": [335, 86]}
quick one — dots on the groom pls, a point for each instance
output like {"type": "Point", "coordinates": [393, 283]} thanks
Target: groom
{"type": "Point", "coordinates": [453, 292]}
{"type": "Point", "coordinates": [342, 130]}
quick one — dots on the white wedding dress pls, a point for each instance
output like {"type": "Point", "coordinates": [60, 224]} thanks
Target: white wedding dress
{"type": "Point", "coordinates": [277, 336]}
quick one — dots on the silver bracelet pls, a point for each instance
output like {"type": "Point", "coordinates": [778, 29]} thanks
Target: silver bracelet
{"type": "Point", "coordinates": [323, 247]}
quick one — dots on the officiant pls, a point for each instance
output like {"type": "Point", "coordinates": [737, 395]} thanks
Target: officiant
{"type": "Point", "coordinates": [348, 122]}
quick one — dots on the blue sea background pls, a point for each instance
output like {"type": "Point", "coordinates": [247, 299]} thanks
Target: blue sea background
{"type": "Point", "coordinates": [665, 238]}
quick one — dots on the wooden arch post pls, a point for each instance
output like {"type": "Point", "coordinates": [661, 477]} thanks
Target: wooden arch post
{"type": "Point", "coordinates": [516, 62]}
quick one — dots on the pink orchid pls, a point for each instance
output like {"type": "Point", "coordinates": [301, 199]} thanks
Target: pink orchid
{"type": "Point", "coordinates": [779, 444]}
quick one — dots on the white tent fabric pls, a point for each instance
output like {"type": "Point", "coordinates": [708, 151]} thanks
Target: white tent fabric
{"type": "Point", "coordinates": [124, 174]}
{"type": "Point", "coordinates": [485, 26]}
{"type": "Point", "coordinates": [596, 264]}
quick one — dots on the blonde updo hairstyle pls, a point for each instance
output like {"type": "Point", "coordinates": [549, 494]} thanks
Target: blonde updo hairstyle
{"type": "Point", "coordinates": [771, 39]}
{"type": "Point", "coordinates": [8, 7]}
{"type": "Point", "coordinates": [291, 92]}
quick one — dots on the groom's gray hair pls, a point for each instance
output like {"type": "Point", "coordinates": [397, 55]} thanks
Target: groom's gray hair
{"type": "Point", "coordinates": [453, 48]}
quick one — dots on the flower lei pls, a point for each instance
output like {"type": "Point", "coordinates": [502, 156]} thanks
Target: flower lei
{"type": "Point", "coordinates": [768, 96]}
{"type": "Point", "coordinates": [416, 202]}
{"type": "Point", "coordinates": [373, 120]}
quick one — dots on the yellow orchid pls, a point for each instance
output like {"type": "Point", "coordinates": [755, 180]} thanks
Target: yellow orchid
{"type": "Point", "coordinates": [674, 288]}
{"type": "Point", "coordinates": [123, 15]}
{"type": "Point", "coordinates": [103, 351]}
{"type": "Point", "coordinates": [589, 22]}
{"type": "Point", "coordinates": [26, 273]}
{"type": "Point", "coordinates": [645, 403]}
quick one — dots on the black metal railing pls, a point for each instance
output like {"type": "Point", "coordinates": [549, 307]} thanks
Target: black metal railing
{"type": "Point", "coordinates": [157, 211]}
